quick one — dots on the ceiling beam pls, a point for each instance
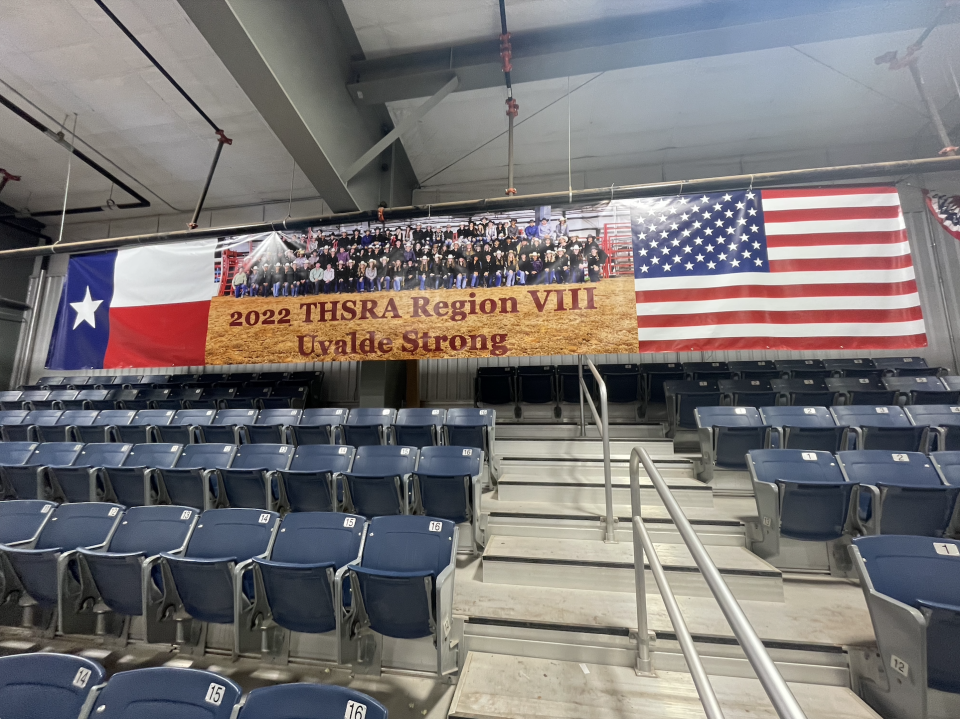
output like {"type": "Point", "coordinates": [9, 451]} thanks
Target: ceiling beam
{"type": "Point", "coordinates": [718, 28]}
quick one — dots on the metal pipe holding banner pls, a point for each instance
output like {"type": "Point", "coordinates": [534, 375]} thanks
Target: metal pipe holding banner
{"type": "Point", "coordinates": [495, 204]}
{"type": "Point", "coordinates": [221, 141]}
{"type": "Point", "coordinates": [783, 700]}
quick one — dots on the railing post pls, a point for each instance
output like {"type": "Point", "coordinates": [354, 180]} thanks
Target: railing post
{"type": "Point", "coordinates": [607, 471]}
{"type": "Point", "coordinates": [583, 421]}
{"type": "Point", "coordinates": [644, 663]}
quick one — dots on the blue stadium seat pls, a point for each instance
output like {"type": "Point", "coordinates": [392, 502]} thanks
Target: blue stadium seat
{"type": "Point", "coordinates": [299, 582]}
{"type": "Point", "coordinates": [247, 482]}
{"type": "Point", "coordinates": [23, 480]}
{"type": "Point", "coordinates": [469, 427]}
{"type": "Point", "coordinates": [28, 397]}
{"type": "Point", "coordinates": [805, 427]}
{"type": "Point", "coordinates": [319, 426]}
{"type": "Point", "coordinates": [83, 480]}
{"type": "Point", "coordinates": [86, 398]}
{"type": "Point", "coordinates": [419, 427]}
{"type": "Point", "coordinates": [537, 384]}
{"type": "Point", "coordinates": [622, 381]}
{"type": "Point", "coordinates": [144, 399]}
{"type": "Point", "coordinates": [403, 557]}
{"type": "Point", "coordinates": [10, 400]}
{"type": "Point", "coordinates": [310, 701]}
{"type": "Point", "coordinates": [55, 399]}
{"type": "Point", "coordinates": [310, 484]}
{"type": "Point", "coordinates": [495, 386]}
{"type": "Point", "coordinates": [951, 382]}
{"type": "Point", "coordinates": [184, 427]}
{"type": "Point", "coordinates": [568, 383]}
{"type": "Point", "coordinates": [62, 431]}
{"type": "Point", "coordinates": [853, 367]}
{"type": "Point", "coordinates": [944, 421]}
{"type": "Point", "coordinates": [860, 390]}
{"type": "Point", "coordinates": [881, 427]}
{"type": "Point", "coordinates": [808, 391]}
{"type": "Point", "coordinates": [117, 576]}
{"type": "Point", "coordinates": [134, 482]}
{"type": "Point", "coordinates": [140, 431]}
{"type": "Point", "coordinates": [293, 396]}
{"type": "Point", "coordinates": [225, 427]}
{"type": "Point", "coordinates": [210, 582]}
{"type": "Point", "coordinates": [652, 377]}
{"type": "Point", "coordinates": [26, 430]}
{"type": "Point", "coordinates": [13, 417]}
{"type": "Point", "coordinates": [217, 394]}
{"type": "Point", "coordinates": [52, 381]}
{"type": "Point", "coordinates": [154, 379]}
{"type": "Point", "coordinates": [726, 434]}
{"type": "Point", "coordinates": [46, 685]}
{"type": "Point", "coordinates": [748, 392]}
{"type": "Point", "coordinates": [801, 369]}
{"type": "Point", "coordinates": [753, 369]}
{"type": "Point", "coordinates": [911, 585]}
{"type": "Point", "coordinates": [368, 426]}
{"type": "Point", "coordinates": [271, 426]}
{"type": "Point", "coordinates": [72, 526]}
{"type": "Point", "coordinates": [706, 370]}
{"type": "Point", "coordinates": [896, 364]}
{"type": "Point", "coordinates": [102, 429]}
{"type": "Point", "coordinates": [447, 485]}
{"type": "Point", "coordinates": [948, 465]}
{"type": "Point", "coordinates": [180, 398]}
{"type": "Point", "coordinates": [921, 390]}
{"type": "Point", "coordinates": [22, 519]}
{"type": "Point", "coordinates": [167, 692]}
{"type": "Point", "coordinates": [378, 483]}
{"type": "Point", "coordinates": [188, 482]}
{"type": "Point", "coordinates": [899, 493]}
{"type": "Point", "coordinates": [684, 396]}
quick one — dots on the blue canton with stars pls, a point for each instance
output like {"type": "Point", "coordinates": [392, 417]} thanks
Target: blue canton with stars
{"type": "Point", "coordinates": [710, 234]}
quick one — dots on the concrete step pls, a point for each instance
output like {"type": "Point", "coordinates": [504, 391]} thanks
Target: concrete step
{"type": "Point", "coordinates": [527, 431]}
{"type": "Point", "coordinates": [579, 448]}
{"type": "Point", "coordinates": [582, 564]}
{"type": "Point", "coordinates": [494, 686]}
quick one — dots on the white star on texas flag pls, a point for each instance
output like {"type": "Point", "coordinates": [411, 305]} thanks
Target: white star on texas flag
{"type": "Point", "coordinates": [86, 310]}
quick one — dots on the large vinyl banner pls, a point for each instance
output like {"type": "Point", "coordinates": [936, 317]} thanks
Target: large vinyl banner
{"type": "Point", "coordinates": [741, 270]}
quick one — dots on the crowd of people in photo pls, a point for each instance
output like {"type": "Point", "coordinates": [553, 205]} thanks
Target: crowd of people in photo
{"type": "Point", "coordinates": [475, 254]}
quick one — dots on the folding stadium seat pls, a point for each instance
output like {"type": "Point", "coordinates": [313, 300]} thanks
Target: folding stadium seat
{"type": "Point", "coordinates": [900, 493]}
{"type": "Point", "coordinates": [886, 428]}
{"type": "Point", "coordinates": [106, 588]}
{"type": "Point", "coordinates": [103, 428]}
{"type": "Point", "coordinates": [748, 392]}
{"type": "Point", "coordinates": [188, 482]}
{"type": "Point", "coordinates": [402, 556]}
{"type": "Point", "coordinates": [684, 396]}
{"type": "Point", "coordinates": [419, 427]}
{"type": "Point", "coordinates": [134, 482]}
{"type": "Point", "coordinates": [180, 398]}
{"type": "Point", "coordinates": [54, 381]}
{"type": "Point", "coordinates": [28, 397]}
{"type": "Point", "coordinates": [447, 485]}
{"type": "Point", "coordinates": [22, 480]}
{"type": "Point", "coordinates": [318, 426]}
{"type": "Point", "coordinates": [311, 482]}
{"type": "Point", "coordinates": [271, 378]}
{"type": "Point", "coordinates": [83, 480]}
{"type": "Point", "coordinates": [183, 379]}
{"type": "Point", "coordinates": [85, 399]}
{"type": "Point", "coordinates": [706, 370]}
{"type": "Point", "coordinates": [286, 397]}
{"type": "Point", "coordinates": [55, 399]}
{"type": "Point", "coordinates": [368, 426]}
{"type": "Point", "coordinates": [298, 584]}
{"type": "Point", "coordinates": [247, 397]}
{"type": "Point", "coordinates": [154, 379]}
{"type": "Point", "coordinates": [247, 482]}
{"type": "Point", "coordinates": [378, 483]}
{"type": "Point", "coordinates": [32, 568]}
{"type": "Point", "coordinates": [241, 377]}
{"type": "Point", "coordinates": [801, 369]}
{"type": "Point", "coordinates": [568, 383]}
{"type": "Point", "coordinates": [310, 701]}
{"type": "Point", "coordinates": [477, 428]}
{"type": "Point", "coordinates": [145, 398]}
{"type": "Point", "coordinates": [210, 579]}
{"type": "Point", "coordinates": [11, 401]}
{"type": "Point", "coordinates": [944, 421]}
{"type": "Point", "coordinates": [893, 365]}
{"type": "Point", "coordinates": [22, 519]}
{"type": "Point", "coordinates": [306, 377]}
{"type": "Point", "coordinates": [622, 381]}
{"type": "Point", "coordinates": [270, 427]}
{"type": "Point", "coordinates": [167, 692]}
{"type": "Point", "coordinates": [26, 431]}
{"type": "Point", "coordinates": [184, 427]}
{"type": "Point", "coordinates": [13, 417]}
{"type": "Point", "coordinates": [726, 435]}
{"type": "Point", "coordinates": [754, 369]}
{"type": "Point", "coordinates": [226, 425]}
{"type": "Point", "coordinates": [495, 386]}
{"type": "Point", "coordinates": [13, 454]}
{"type": "Point", "coordinates": [217, 394]}
{"type": "Point", "coordinates": [62, 430]}
{"type": "Point", "coordinates": [859, 390]}
{"type": "Point", "coordinates": [44, 685]}
{"type": "Point", "coordinates": [140, 430]}
{"type": "Point", "coordinates": [537, 385]}
{"type": "Point", "coordinates": [848, 367]}
{"type": "Point", "coordinates": [805, 427]}
{"type": "Point", "coordinates": [911, 585]}
{"type": "Point", "coordinates": [921, 390]}
{"type": "Point", "coordinates": [948, 465]}
{"type": "Point", "coordinates": [130, 379]}
{"type": "Point", "coordinates": [116, 399]}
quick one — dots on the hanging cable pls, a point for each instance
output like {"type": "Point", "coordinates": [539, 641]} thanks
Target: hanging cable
{"type": "Point", "coordinates": [66, 189]}
{"type": "Point", "coordinates": [513, 108]}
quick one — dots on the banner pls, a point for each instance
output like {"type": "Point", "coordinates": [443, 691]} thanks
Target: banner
{"type": "Point", "coordinates": [771, 270]}
{"type": "Point", "coordinates": [946, 208]}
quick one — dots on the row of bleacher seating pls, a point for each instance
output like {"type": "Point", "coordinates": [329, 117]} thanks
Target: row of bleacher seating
{"type": "Point", "coordinates": [626, 383]}
{"type": "Point", "coordinates": [232, 379]}
{"type": "Point", "coordinates": [63, 686]}
{"type": "Point", "coordinates": [416, 427]}
{"type": "Point", "coordinates": [314, 572]}
{"type": "Point", "coordinates": [212, 397]}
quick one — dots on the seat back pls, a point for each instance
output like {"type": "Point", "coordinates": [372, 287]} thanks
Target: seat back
{"type": "Point", "coordinates": [896, 363]}
{"type": "Point", "coordinates": [322, 458]}
{"type": "Point", "coordinates": [449, 461]}
{"type": "Point", "coordinates": [753, 369]}
{"type": "Point", "coordinates": [814, 512]}
{"type": "Point", "coordinates": [206, 456]}
{"type": "Point", "coordinates": [706, 370]}
{"type": "Point", "coordinates": [78, 417]}
{"type": "Point", "coordinates": [847, 364]}
{"type": "Point", "coordinates": [948, 464]}
{"type": "Point", "coordinates": [408, 544]}
{"type": "Point", "coordinates": [153, 455]}
{"type": "Point", "coordinates": [310, 701]}
{"type": "Point", "coordinates": [20, 520]}
{"type": "Point", "coordinates": [55, 454]}
{"type": "Point", "coordinates": [797, 416]}
{"type": "Point", "coordinates": [495, 385]}
{"type": "Point", "coordinates": [162, 692]}
{"type": "Point", "coordinates": [102, 454]}
{"type": "Point", "coordinates": [93, 395]}
{"type": "Point", "coordinates": [371, 416]}
{"type": "Point", "coordinates": [622, 382]}
{"type": "Point", "coordinates": [871, 416]}
{"type": "Point", "coordinates": [114, 417]}
{"type": "Point", "coordinates": [728, 417]}
{"type": "Point", "coordinates": [43, 417]}
{"type": "Point", "coordinates": [237, 532]}
{"type": "Point", "coordinates": [152, 530]}
{"type": "Point", "coordinates": [794, 465]}
{"type": "Point", "coordinates": [279, 416]}
{"type": "Point", "coordinates": [877, 466]}
{"type": "Point", "coordinates": [154, 417]}
{"type": "Point", "coordinates": [235, 417]}
{"type": "Point", "coordinates": [801, 368]}
{"type": "Point", "coordinates": [262, 456]}
{"type": "Point", "coordinates": [419, 426]}
{"type": "Point", "coordinates": [323, 416]}
{"type": "Point", "coordinates": [536, 384]}
{"type": "Point", "coordinates": [445, 480]}
{"type": "Point", "coordinates": [385, 460]}
{"type": "Point", "coordinates": [13, 454]}
{"type": "Point", "coordinates": [81, 524]}
{"type": "Point", "coordinates": [194, 417]}
{"type": "Point", "coordinates": [44, 685]}
{"type": "Point", "coordinates": [13, 416]}
{"type": "Point", "coordinates": [687, 396]}
{"type": "Point", "coordinates": [318, 538]}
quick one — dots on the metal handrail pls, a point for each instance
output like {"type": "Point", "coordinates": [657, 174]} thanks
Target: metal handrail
{"type": "Point", "coordinates": [782, 699]}
{"type": "Point", "coordinates": [603, 424]}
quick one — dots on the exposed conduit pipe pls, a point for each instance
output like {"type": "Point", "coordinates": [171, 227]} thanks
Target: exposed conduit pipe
{"type": "Point", "coordinates": [513, 109]}
{"type": "Point", "coordinates": [822, 175]}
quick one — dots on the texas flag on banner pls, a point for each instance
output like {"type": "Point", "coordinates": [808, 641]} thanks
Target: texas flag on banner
{"type": "Point", "coordinates": [137, 307]}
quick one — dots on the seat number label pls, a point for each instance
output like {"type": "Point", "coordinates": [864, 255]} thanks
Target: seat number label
{"type": "Point", "coordinates": [342, 450]}
{"type": "Point", "coordinates": [468, 453]}
{"type": "Point", "coordinates": [483, 412]}
{"type": "Point", "coordinates": [955, 410]}
{"type": "Point", "coordinates": [740, 410]}
{"type": "Point", "coordinates": [809, 456]}
{"type": "Point", "coordinates": [922, 380]}
{"type": "Point", "coordinates": [899, 666]}
{"type": "Point", "coordinates": [436, 411]}
{"type": "Point", "coordinates": [882, 410]}
{"type": "Point", "coordinates": [808, 381]}
{"type": "Point", "coordinates": [808, 361]}
{"type": "Point", "coordinates": [809, 410]}
{"type": "Point", "coordinates": [186, 515]}
{"type": "Point", "coordinates": [83, 676]}
{"type": "Point", "coordinates": [900, 458]}
{"type": "Point", "coordinates": [45, 509]}
{"type": "Point", "coordinates": [355, 710]}
{"type": "Point", "coordinates": [405, 451]}
{"type": "Point", "coordinates": [226, 448]}
{"type": "Point", "coordinates": [339, 411]}
{"type": "Point", "coordinates": [436, 526]}
{"type": "Point", "coordinates": [864, 380]}
{"type": "Point", "coordinates": [947, 550]}
{"type": "Point", "coordinates": [350, 522]}
{"type": "Point", "coordinates": [858, 361]}
{"type": "Point", "coordinates": [386, 411]}
{"type": "Point", "coordinates": [113, 512]}
{"type": "Point", "coordinates": [264, 518]}
{"type": "Point", "coordinates": [754, 383]}
{"type": "Point", "coordinates": [214, 694]}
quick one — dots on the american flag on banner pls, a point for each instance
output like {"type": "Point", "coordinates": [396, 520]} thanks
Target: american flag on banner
{"type": "Point", "coordinates": [804, 269]}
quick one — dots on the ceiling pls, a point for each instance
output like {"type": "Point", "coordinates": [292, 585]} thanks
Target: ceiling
{"type": "Point", "coordinates": [772, 108]}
